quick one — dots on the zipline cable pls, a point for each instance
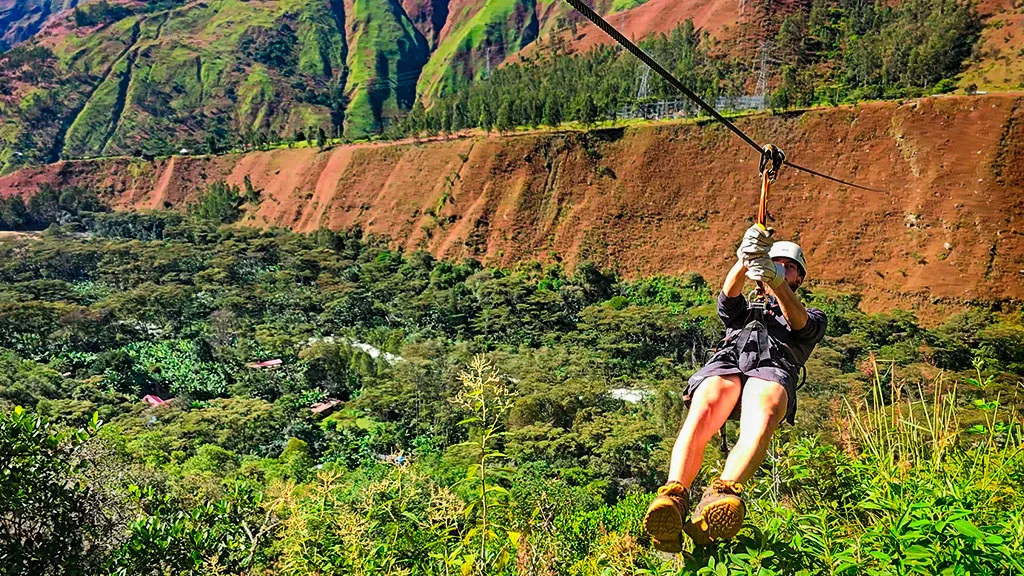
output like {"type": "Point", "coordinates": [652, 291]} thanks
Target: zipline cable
{"type": "Point", "coordinates": [654, 65]}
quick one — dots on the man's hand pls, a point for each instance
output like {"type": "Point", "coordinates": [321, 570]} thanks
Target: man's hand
{"type": "Point", "coordinates": [755, 244]}
{"type": "Point", "coordinates": [764, 270]}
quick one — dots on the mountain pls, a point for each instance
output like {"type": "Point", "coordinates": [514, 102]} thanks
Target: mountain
{"type": "Point", "coordinates": [21, 19]}
{"type": "Point", "coordinates": [123, 77]}
{"type": "Point", "coordinates": [126, 77]}
{"type": "Point", "coordinates": [652, 199]}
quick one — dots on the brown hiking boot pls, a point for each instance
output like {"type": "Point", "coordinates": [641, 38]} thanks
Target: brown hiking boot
{"type": "Point", "coordinates": [664, 519]}
{"type": "Point", "coordinates": [719, 516]}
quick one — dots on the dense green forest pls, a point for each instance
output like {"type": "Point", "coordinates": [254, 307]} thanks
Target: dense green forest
{"type": "Point", "coordinates": [828, 53]}
{"type": "Point", "coordinates": [487, 421]}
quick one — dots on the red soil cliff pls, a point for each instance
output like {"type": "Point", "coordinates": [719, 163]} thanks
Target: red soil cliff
{"type": "Point", "coordinates": [665, 198]}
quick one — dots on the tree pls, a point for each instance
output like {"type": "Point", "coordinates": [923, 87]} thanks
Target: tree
{"type": "Point", "coordinates": [433, 120]}
{"type": "Point", "coordinates": [221, 203]}
{"type": "Point", "coordinates": [486, 120]}
{"type": "Point", "coordinates": [458, 117]}
{"type": "Point", "coordinates": [504, 121]}
{"type": "Point", "coordinates": [252, 195]}
{"type": "Point", "coordinates": [50, 521]}
{"type": "Point", "coordinates": [13, 213]}
{"type": "Point", "coordinates": [586, 110]}
{"type": "Point", "coordinates": [446, 119]}
{"type": "Point", "coordinates": [791, 37]}
{"type": "Point", "coordinates": [417, 118]}
{"type": "Point", "coordinates": [552, 111]}
{"type": "Point", "coordinates": [785, 95]}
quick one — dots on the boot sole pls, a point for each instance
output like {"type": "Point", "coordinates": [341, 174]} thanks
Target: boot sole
{"type": "Point", "coordinates": [718, 521]}
{"type": "Point", "coordinates": [663, 522]}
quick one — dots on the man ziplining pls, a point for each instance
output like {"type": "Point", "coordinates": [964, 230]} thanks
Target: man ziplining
{"type": "Point", "coordinates": [756, 370]}
{"type": "Point", "coordinates": [754, 374]}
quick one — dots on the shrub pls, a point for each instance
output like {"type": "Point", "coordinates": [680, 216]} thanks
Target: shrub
{"type": "Point", "coordinates": [220, 203]}
{"type": "Point", "coordinates": [51, 522]}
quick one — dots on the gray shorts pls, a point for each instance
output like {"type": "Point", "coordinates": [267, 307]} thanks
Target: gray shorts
{"type": "Point", "coordinates": [726, 363]}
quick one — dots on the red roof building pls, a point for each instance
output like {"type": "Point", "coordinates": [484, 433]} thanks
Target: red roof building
{"type": "Point", "coordinates": [266, 363]}
{"type": "Point", "coordinates": [153, 400]}
{"type": "Point", "coordinates": [325, 408]}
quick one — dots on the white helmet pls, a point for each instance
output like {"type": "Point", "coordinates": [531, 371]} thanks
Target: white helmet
{"type": "Point", "coordinates": [791, 250]}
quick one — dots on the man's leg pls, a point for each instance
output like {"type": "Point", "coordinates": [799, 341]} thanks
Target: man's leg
{"type": "Point", "coordinates": [720, 513]}
{"type": "Point", "coordinates": [763, 408]}
{"type": "Point", "coordinates": [712, 403]}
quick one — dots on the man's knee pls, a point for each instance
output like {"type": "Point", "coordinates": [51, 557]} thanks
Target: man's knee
{"type": "Point", "coordinates": [713, 390]}
{"type": "Point", "coordinates": [764, 401]}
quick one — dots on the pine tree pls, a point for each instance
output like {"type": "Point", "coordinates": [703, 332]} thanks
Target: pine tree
{"type": "Point", "coordinates": [446, 119]}
{"type": "Point", "coordinates": [536, 111]}
{"type": "Point", "coordinates": [552, 112]}
{"type": "Point", "coordinates": [586, 111]}
{"type": "Point", "coordinates": [417, 118]}
{"type": "Point", "coordinates": [433, 121]}
{"type": "Point", "coordinates": [486, 121]}
{"type": "Point", "coordinates": [458, 116]}
{"type": "Point", "coordinates": [504, 121]}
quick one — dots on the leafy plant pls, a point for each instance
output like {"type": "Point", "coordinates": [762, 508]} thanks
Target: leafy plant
{"type": "Point", "coordinates": [485, 396]}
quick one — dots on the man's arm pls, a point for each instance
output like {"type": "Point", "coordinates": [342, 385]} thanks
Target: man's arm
{"type": "Point", "coordinates": [792, 308]}
{"type": "Point", "coordinates": [733, 286]}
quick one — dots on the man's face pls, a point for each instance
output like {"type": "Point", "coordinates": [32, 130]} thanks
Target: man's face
{"type": "Point", "coordinates": [793, 277]}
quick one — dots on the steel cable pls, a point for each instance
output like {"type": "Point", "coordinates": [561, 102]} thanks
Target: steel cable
{"type": "Point", "coordinates": [671, 79]}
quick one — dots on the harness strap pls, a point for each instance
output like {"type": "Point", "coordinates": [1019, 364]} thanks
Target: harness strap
{"type": "Point", "coordinates": [758, 329]}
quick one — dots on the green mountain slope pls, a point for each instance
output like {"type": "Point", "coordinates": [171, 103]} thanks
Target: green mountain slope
{"type": "Point", "coordinates": [499, 29]}
{"type": "Point", "coordinates": [204, 76]}
{"type": "Point", "coordinates": [20, 19]}
{"type": "Point", "coordinates": [113, 77]}
{"type": "Point", "coordinates": [387, 55]}
{"type": "Point", "coordinates": [109, 77]}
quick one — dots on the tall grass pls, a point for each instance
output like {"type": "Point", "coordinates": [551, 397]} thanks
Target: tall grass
{"type": "Point", "coordinates": [904, 489]}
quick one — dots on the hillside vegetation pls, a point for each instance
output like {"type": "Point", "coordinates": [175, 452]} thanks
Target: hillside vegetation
{"type": "Point", "coordinates": [480, 426]}
{"type": "Point", "coordinates": [659, 198]}
{"type": "Point", "coordinates": [829, 53]}
{"type": "Point", "coordinates": [153, 79]}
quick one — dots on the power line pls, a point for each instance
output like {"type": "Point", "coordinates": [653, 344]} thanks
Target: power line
{"type": "Point", "coordinates": [654, 65]}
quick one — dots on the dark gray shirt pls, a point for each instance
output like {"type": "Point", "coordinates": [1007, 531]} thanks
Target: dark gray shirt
{"type": "Point", "coordinates": [734, 312]}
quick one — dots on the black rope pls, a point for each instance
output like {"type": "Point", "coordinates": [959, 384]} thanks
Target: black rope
{"type": "Point", "coordinates": [827, 177]}
{"type": "Point", "coordinates": [647, 59]}
{"type": "Point", "coordinates": [654, 65]}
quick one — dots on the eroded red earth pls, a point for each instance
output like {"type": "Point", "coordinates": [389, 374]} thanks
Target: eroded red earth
{"type": "Point", "coordinates": [661, 198]}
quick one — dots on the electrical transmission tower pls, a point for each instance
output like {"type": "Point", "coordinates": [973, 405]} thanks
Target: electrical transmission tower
{"type": "Point", "coordinates": [644, 90]}
{"type": "Point", "coordinates": [767, 46]}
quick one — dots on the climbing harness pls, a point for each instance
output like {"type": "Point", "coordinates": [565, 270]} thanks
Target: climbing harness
{"type": "Point", "coordinates": [654, 65]}
{"type": "Point", "coordinates": [772, 159]}
{"type": "Point", "coordinates": [759, 303]}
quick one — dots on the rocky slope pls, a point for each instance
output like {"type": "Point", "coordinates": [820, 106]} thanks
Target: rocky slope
{"type": "Point", "coordinates": [665, 198]}
{"type": "Point", "coordinates": [21, 19]}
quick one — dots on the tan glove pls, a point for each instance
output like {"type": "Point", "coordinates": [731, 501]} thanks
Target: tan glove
{"type": "Point", "coordinates": [755, 244]}
{"type": "Point", "coordinates": [764, 270]}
